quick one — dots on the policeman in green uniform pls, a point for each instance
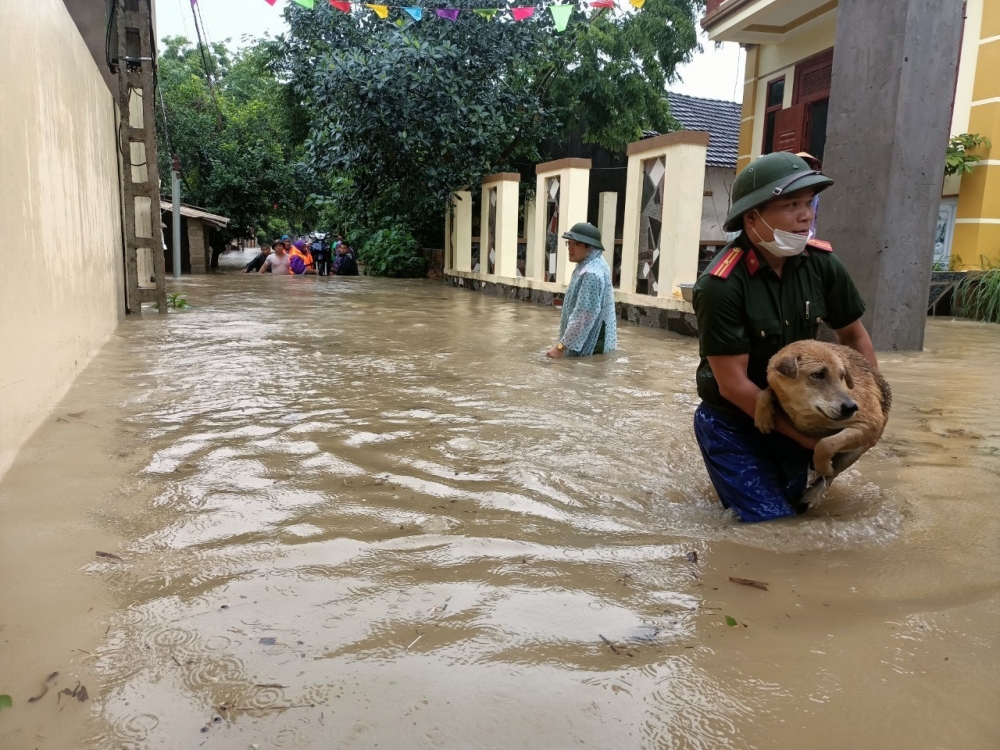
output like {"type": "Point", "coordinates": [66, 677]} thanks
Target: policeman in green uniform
{"type": "Point", "coordinates": [771, 286]}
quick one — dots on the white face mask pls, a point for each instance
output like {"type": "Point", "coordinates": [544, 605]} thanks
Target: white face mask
{"type": "Point", "coordinates": [785, 244]}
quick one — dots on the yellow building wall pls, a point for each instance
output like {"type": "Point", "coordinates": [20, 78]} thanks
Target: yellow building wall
{"type": "Point", "coordinates": [777, 60]}
{"type": "Point", "coordinates": [60, 213]}
{"type": "Point", "coordinates": [976, 242]}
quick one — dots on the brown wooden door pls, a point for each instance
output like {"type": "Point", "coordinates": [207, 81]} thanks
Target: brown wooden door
{"type": "Point", "coordinates": [789, 128]}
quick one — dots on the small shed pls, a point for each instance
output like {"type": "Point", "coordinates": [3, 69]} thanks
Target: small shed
{"type": "Point", "coordinates": [199, 235]}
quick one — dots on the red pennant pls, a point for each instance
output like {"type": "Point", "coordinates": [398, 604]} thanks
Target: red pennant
{"type": "Point", "coordinates": [341, 5]}
{"type": "Point", "coordinates": [270, 2]}
{"type": "Point", "coordinates": [603, 4]}
{"type": "Point", "coordinates": [521, 13]}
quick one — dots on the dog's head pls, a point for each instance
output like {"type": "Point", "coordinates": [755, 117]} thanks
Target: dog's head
{"type": "Point", "coordinates": [813, 384]}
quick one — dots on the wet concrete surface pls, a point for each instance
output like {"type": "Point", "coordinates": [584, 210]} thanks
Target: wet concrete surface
{"type": "Point", "coordinates": [360, 513]}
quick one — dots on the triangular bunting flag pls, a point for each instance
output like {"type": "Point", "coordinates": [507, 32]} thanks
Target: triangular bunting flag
{"type": "Point", "coordinates": [415, 13]}
{"type": "Point", "coordinates": [341, 5]}
{"type": "Point", "coordinates": [450, 13]}
{"type": "Point", "coordinates": [382, 11]}
{"type": "Point", "coordinates": [560, 15]}
{"type": "Point", "coordinates": [603, 4]}
{"type": "Point", "coordinates": [270, 2]}
{"type": "Point", "coordinates": [521, 13]}
{"type": "Point", "coordinates": [486, 13]}
{"type": "Point", "coordinates": [305, 3]}
{"type": "Point", "coordinates": [637, 3]}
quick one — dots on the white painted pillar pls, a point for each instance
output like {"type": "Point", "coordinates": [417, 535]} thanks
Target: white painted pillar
{"type": "Point", "coordinates": [507, 197]}
{"type": "Point", "coordinates": [576, 194]}
{"type": "Point", "coordinates": [630, 227]}
{"type": "Point", "coordinates": [574, 186]}
{"type": "Point", "coordinates": [607, 209]}
{"type": "Point", "coordinates": [449, 253]}
{"type": "Point", "coordinates": [484, 230]}
{"type": "Point", "coordinates": [680, 233]}
{"type": "Point", "coordinates": [462, 206]}
{"type": "Point", "coordinates": [536, 260]}
{"type": "Point", "coordinates": [683, 186]}
{"type": "Point", "coordinates": [530, 239]}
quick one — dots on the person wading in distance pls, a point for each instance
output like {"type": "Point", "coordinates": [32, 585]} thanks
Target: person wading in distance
{"type": "Point", "coordinates": [587, 325]}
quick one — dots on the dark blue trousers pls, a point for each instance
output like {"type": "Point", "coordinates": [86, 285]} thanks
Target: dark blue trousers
{"type": "Point", "coordinates": [759, 477]}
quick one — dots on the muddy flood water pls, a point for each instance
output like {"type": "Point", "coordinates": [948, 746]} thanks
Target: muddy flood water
{"type": "Point", "coordinates": [364, 513]}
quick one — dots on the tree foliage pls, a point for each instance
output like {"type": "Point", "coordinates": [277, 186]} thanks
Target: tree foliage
{"type": "Point", "coordinates": [405, 112]}
{"type": "Point", "coordinates": [240, 149]}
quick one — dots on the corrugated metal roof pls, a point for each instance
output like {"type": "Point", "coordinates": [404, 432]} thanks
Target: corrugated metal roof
{"type": "Point", "coordinates": [721, 119]}
{"type": "Point", "coordinates": [193, 212]}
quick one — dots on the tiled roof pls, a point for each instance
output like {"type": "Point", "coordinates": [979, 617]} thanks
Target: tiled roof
{"type": "Point", "coordinates": [720, 119]}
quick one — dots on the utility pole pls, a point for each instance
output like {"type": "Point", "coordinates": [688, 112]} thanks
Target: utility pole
{"type": "Point", "coordinates": [894, 67]}
{"type": "Point", "coordinates": [175, 196]}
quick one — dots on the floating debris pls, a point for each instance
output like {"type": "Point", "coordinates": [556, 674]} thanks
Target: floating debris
{"type": "Point", "coordinates": [749, 582]}
{"type": "Point", "coordinates": [108, 556]}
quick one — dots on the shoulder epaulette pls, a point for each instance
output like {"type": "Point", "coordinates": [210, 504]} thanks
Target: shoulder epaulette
{"type": "Point", "coordinates": [823, 245]}
{"type": "Point", "coordinates": [726, 263]}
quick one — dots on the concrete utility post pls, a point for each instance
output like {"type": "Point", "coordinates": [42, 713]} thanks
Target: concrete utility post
{"type": "Point", "coordinates": [894, 70]}
{"type": "Point", "coordinates": [175, 197]}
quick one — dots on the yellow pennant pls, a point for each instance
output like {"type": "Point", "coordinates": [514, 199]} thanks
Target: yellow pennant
{"type": "Point", "coordinates": [637, 3]}
{"type": "Point", "coordinates": [382, 11]}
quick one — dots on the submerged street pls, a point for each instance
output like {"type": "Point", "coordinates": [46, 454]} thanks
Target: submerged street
{"type": "Point", "coordinates": [360, 513]}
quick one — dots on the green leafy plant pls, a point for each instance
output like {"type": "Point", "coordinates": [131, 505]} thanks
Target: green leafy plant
{"type": "Point", "coordinates": [177, 300]}
{"type": "Point", "coordinates": [393, 252]}
{"type": "Point", "coordinates": [977, 296]}
{"type": "Point", "coordinates": [6, 701]}
{"type": "Point", "coordinates": [958, 159]}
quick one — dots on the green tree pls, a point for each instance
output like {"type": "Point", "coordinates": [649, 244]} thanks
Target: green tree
{"type": "Point", "coordinates": [406, 112]}
{"type": "Point", "coordinates": [239, 147]}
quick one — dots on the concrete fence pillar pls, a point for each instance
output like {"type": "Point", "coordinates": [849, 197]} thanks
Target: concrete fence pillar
{"type": "Point", "coordinates": [197, 247]}
{"type": "Point", "coordinates": [607, 208]}
{"type": "Point", "coordinates": [530, 240]}
{"type": "Point", "coordinates": [663, 202]}
{"type": "Point", "coordinates": [461, 206]}
{"type": "Point", "coordinates": [562, 194]}
{"type": "Point", "coordinates": [498, 227]}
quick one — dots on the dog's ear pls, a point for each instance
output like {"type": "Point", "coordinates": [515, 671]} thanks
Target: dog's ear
{"type": "Point", "coordinates": [847, 377]}
{"type": "Point", "coordinates": [788, 366]}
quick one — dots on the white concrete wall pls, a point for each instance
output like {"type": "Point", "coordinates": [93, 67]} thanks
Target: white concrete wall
{"type": "Point", "coordinates": [61, 286]}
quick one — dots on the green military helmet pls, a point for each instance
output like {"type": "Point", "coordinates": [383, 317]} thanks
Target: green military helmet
{"type": "Point", "coordinates": [586, 233]}
{"type": "Point", "coordinates": [767, 178]}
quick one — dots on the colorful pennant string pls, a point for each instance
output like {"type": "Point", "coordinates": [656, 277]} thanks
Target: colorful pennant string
{"type": "Point", "coordinates": [561, 14]}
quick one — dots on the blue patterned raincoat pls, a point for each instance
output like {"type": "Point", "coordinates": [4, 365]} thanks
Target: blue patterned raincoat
{"type": "Point", "coordinates": [588, 305]}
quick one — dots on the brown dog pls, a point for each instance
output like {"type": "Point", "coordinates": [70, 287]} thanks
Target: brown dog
{"type": "Point", "coordinates": [829, 392]}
